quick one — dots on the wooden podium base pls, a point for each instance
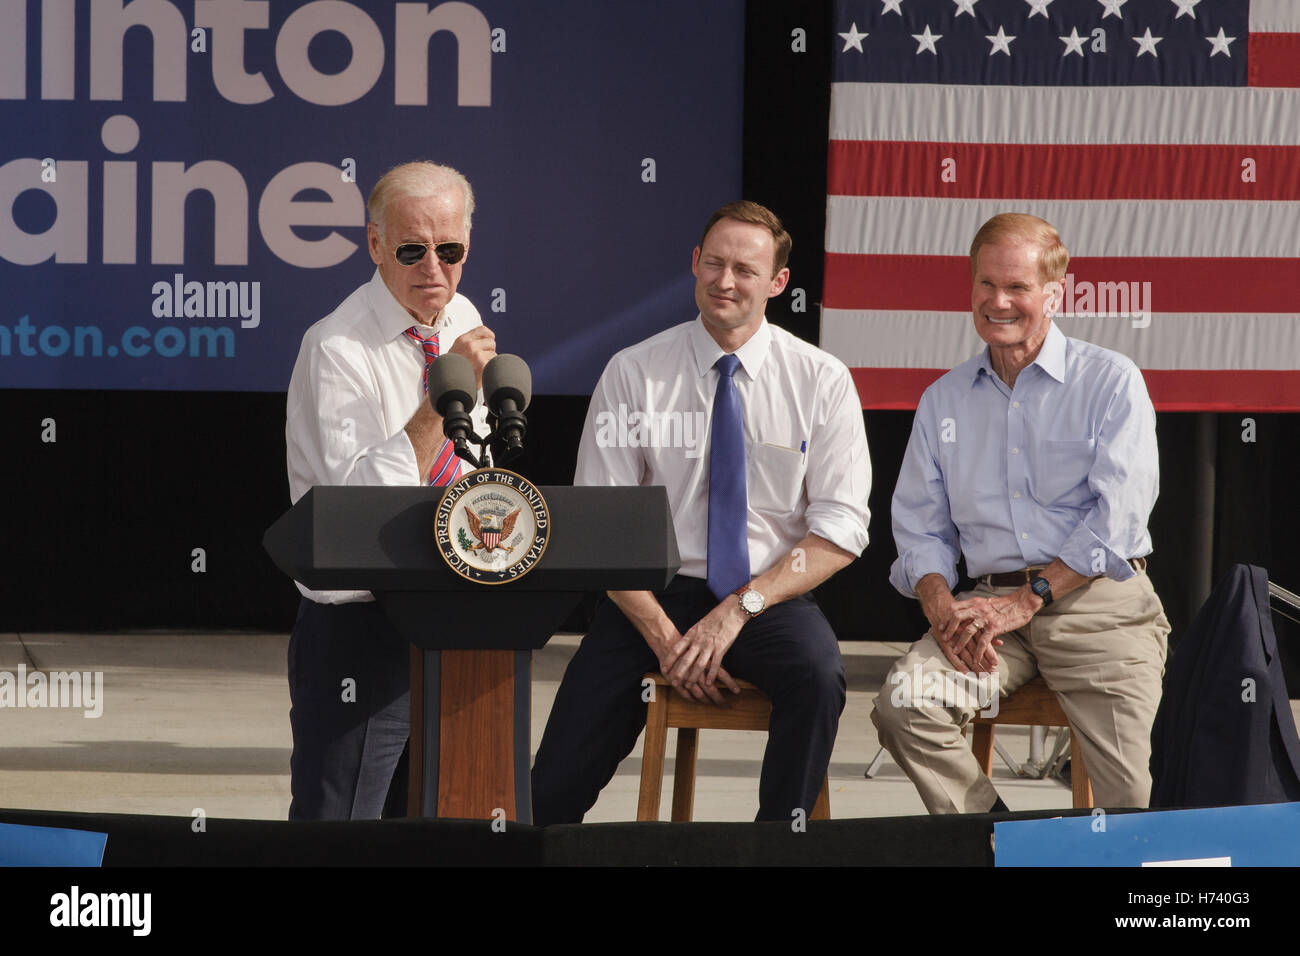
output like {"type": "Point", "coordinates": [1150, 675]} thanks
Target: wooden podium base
{"type": "Point", "coordinates": [470, 720]}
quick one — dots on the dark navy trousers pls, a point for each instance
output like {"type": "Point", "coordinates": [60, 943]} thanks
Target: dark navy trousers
{"type": "Point", "coordinates": [350, 688]}
{"type": "Point", "coordinates": [789, 652]}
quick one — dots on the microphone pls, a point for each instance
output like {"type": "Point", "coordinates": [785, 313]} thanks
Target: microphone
{"type": "Point", "coordinates": [454, 395]}
{"type": "Point", "coordinates": [508, 388]}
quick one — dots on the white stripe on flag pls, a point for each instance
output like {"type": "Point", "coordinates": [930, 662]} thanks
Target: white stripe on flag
{"type": "Point", "coordinates": [868, 338]}
{"type": "Point", "coordinates": [944, 227]}
{"type": "Point", "coordinates": [1069, 116]}
{"type": "Point", "coordinates": [1274, 16]}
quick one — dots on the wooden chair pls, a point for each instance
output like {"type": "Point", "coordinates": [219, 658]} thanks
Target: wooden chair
{"type": "Point", "coordinates": [1036, 705]}
{"type": "Point", "coordinates": [748, 710]}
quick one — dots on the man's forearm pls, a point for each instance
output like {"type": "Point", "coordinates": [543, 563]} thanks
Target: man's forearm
{"type": "Point", "coordinates": [809, 563]}
{"type": "Point", "coordinates": [647, 615]}
{"type": "Point", "coordinates": [1062, 578]}
{"type": "Point", "coordinates": [933, 593]}
{"type": "Point", "coordinates": [425, 432]}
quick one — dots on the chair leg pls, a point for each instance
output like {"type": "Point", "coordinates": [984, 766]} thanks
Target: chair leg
{"type": "Point", "coordinates": [1080, 783]}
{"type": "Point", "coordinates": [982, 747]}
{"type": "Point", "coordinates": [652, 756]}
{"type": "Point", "coordinates": [684, 775]}
{"type": "Point", "coordinates": [822, 808]}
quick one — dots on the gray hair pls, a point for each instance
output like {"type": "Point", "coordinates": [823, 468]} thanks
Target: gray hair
{"type": "Point", "coordinates": [422, 179]}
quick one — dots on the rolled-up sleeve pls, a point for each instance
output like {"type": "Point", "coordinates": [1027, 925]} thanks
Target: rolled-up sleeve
{"type": "Point", "coordinates": [337, 430]}
{"type": "Point", "coordinates": [602, 458]}
{"type": "Point", "coordinates": [838, 477]}
{"type": "Point", "coordinates": [1125, 477]}
{"type": "Point", "coordinates": [924, 532]}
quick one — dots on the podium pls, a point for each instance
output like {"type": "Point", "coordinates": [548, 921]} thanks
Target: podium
{"type": "Point", "coordinates": [471, 643]}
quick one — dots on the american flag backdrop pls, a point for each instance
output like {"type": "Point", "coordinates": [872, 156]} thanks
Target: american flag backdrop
{"type": "Point", "coordinates": [1160, 137]}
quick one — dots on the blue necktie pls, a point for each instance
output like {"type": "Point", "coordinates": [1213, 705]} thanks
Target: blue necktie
{"type": "Point", "coordinates": [728, 502]}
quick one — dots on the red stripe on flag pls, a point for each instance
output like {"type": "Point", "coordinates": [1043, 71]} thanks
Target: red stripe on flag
{"type": "Point", "coordinates": [1224, 391]}
{"type": "Point", "coordinates": [1171, 391]}
{"type": "Point", "coordinates": [943, 283]}
{"type": "Point", "coordinates": [905, 283]}
{"type": "Point", "coordinates": [1274, 59]}
{"type": "Point", "coordinates": [982, 170]}
{"type": "Point", "coordinates": [893, 387]}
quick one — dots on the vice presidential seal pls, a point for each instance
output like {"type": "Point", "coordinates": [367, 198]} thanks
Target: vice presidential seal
{"type": "Point", "coordinates": [492, 526]}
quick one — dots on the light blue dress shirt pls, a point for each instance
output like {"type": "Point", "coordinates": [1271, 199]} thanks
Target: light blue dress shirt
{"type": "Point", "coordinates": [1064, 465]}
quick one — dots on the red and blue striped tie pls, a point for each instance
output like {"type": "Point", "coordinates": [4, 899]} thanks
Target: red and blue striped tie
{"type": "Point", "coordinates": [446, 466]}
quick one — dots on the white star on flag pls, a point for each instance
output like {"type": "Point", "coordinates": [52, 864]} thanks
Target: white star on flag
{"type": "Point", "coordinates": [1147, 43]}
{"type": "Point", "coordinates": [965, 6]}
{"type": "Point", "coordinates": [1112, 6]}
{"type": "Point", "coordinates": [853, 39]}
{"type": "Point", "coordinates": [1001, 43]}
{"type": "Point", "coordinates": [1186, 6]}
{"type": "Point", "coordinates": [1038, 6]}
{"type": "Point", "coordinates": [891, 6]}
{"type": "Point", "coordinates": [925, 41]}
{"type": "Point", "coordinates": [1220, 44]}
{"type": "Point", "coordinates": [1073, 43]}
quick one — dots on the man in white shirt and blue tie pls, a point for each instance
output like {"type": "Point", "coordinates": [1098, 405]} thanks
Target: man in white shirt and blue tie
{"type": "Point", "coordinates": [1036, 460]}
{"type": "Point", "coordinates": [769, 499]}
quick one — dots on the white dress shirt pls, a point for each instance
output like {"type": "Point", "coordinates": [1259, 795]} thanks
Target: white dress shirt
{"type": "Point", "coordinates": [356, 384]}
{"type": "Point", "coordinates": [807, 465]}
{"type": "Point", "coordinates": [1064, 465]}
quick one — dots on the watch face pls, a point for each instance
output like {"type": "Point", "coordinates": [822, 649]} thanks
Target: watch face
{"type": "Point", "coordinates": [752, 601]}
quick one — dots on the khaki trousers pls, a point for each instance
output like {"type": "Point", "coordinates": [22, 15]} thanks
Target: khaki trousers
{"type": "Point", "coordinates": [1101, 648]}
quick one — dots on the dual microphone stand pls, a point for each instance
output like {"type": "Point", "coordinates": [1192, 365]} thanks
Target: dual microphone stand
{"type": "Point", "coordinates": [507, 390]}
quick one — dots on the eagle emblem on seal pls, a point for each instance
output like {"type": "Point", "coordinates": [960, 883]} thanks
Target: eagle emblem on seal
{"type": "Point", "coordinates": [486, 530]}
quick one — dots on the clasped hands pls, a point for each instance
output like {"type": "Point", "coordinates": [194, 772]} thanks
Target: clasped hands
{"type": "Point", "coordinates": [692, 662]}
{"type": "Point", "coordinates": [968, 632]}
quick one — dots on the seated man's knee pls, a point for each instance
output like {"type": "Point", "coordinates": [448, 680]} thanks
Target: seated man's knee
{"type": "Point", "coordinates": [895, 707]}
{"type": "Point", "coordinates": [828, 677]}
{"type": "Point", "coordinates": [886, 714]}
{"type": "Point", "coordinates": [819, 679]}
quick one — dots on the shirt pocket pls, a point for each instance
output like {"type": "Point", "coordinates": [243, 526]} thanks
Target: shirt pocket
{"type": "Point", "coordinates": [1061, 472]}
{"type": "Point", "coordinates": [775, 477]}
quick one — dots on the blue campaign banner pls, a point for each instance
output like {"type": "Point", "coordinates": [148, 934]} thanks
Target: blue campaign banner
{"type": "Point", "coordinates": [183, 184]}
{"type": "Point", "coordinates": [50, 846]}
{"type": "Point", "coordinates": [1222, 836]}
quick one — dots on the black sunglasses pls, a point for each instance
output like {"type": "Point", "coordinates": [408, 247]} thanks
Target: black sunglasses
{"type": "Point", "coordinates": [409, 253]}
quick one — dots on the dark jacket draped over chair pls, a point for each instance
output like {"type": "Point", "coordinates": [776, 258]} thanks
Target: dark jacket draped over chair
{"type": "Point", "coordinates": [1224, 734]}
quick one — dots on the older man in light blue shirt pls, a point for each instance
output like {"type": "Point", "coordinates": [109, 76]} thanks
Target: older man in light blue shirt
{"type": "Point", "coordinates": [1037, 461]}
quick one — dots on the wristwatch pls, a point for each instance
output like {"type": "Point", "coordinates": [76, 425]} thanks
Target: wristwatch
{"type": "Point", "coordinates": [1040, 586]}
{"type": "Point", "coordinates": [751, 602]}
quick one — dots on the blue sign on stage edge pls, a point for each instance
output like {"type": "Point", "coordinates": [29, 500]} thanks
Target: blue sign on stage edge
{"type": "Point", "coordinates": [1221, 836]}
{"type": "Point", "coordinates": [50, 846]}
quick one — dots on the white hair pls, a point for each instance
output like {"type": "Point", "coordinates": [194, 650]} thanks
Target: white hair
{"type": "Point", "coordinates": [421, 179]}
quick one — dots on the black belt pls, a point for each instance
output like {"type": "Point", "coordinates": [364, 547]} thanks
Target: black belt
{"type": "Point", "coordinates": [1014, 579]}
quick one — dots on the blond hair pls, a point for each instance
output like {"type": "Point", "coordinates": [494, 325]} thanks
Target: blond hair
{"type": "Point", "coordinates": [1053, 258]}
